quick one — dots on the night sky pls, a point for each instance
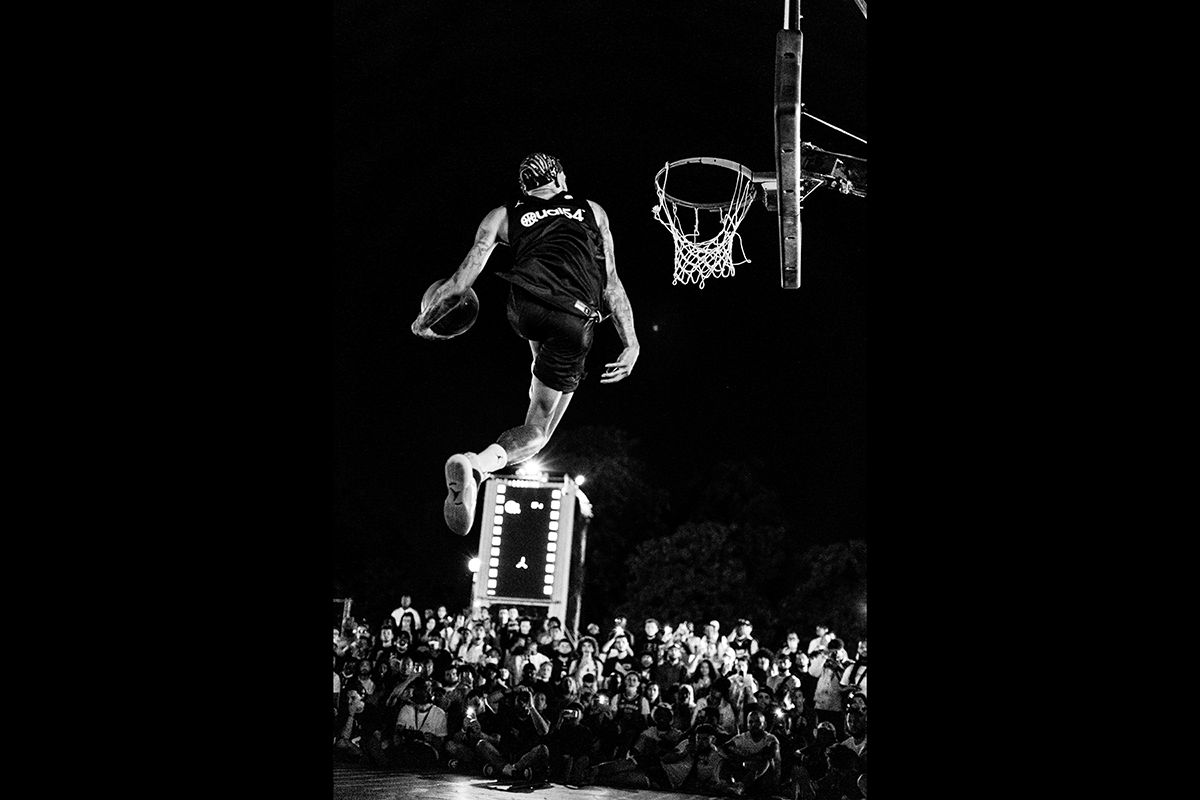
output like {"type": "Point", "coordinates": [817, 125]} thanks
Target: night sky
{"type": "Point", "coordinates": [436, 103]}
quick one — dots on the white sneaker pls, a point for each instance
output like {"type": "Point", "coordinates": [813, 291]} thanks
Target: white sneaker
{"type": "Point", "coordinates": [462, 487]}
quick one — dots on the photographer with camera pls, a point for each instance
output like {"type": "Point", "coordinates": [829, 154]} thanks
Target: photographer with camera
{"type": "Point", "coordinates": [570, 747]}
{"type": "Point", "coordinates": [827, 667]}
{"type": "Point", "coordinates": [421, 730]}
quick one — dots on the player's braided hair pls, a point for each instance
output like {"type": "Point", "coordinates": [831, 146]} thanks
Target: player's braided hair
{"type": "Point", "coordinates": [538, 169]}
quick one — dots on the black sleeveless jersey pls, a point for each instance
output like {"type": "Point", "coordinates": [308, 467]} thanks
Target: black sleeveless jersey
{"type": "Point", "coordinates": [558, 253]}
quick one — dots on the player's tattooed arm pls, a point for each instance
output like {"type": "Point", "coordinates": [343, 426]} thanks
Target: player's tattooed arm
{"type": "Point", "coordinates": [618, 303]}
{"type": "Point", "coordinates": [492, 231]}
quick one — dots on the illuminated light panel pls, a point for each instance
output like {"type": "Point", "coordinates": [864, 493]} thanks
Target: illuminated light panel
{"type": "Point", "coordinates": [497, 530]}
{"type": "Point", "coordinates": [549, 569]}
{"type": "Point", "coordinates": [491, 592]}
{"type": "Point", "coordinates": [493, 573]}
{"type": "Point", "coordinates": [494, 561]}
{"type": "Point", "coordinates": [557, 493]}
{"type": "Point", "coordinates": [500, 488]}
{"type": "Point", "coordinates": [553, 515]}
{"type": "Point", "coordinates": [547, 590]}
{"type": "Point", "coordinates": [552, 536]}
{"type": "Point", "coordinates": [556, 504]}
{"type": "Point", "coordinates": [499, 520]}
{"type": "Point", "coordinates": [495, 540]}
{"type": "Point", "coordinates": [491, 583]}
{"type": "Point", "coordinates": [553, 524]}
{"type": "Point", "coordinates": [549, 558]}
{"type": "Point", "coordinates": [549, 579]}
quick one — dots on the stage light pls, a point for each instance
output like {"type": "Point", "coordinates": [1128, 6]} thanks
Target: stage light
{"type": "Point", "coordinates": [473, 564]}
{"type": "Point", "coordinates": [579, 479]}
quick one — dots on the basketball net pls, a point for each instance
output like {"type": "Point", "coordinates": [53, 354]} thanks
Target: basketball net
{"type": "Point", "coordinates": [698, 259]}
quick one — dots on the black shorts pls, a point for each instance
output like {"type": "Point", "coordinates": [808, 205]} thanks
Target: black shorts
{"type": "Point", "coordinates": [564, 339]}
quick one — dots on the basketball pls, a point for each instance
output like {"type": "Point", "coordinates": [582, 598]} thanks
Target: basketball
{"type": "Point", "coordinates": [460, 314]}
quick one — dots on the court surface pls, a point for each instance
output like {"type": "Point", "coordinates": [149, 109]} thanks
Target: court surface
{"type": "Point", "coordinates": [351, 782]}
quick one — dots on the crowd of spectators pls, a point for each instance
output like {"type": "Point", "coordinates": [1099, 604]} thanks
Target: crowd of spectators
{"type": "Point", "coordinates": [673, 708]}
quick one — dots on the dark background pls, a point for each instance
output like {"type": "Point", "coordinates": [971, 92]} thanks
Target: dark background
{"type": "Point", "coordinates": [435, 104]}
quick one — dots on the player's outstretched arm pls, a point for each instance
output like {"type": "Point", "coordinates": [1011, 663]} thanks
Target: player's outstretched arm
{"type": "Point", "coordinates": [492, 230]}
{"type": "Point", "coordinates": [618, 302]}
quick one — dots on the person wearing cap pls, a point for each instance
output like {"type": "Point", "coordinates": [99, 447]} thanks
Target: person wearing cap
{"type": "Point", "coordinates": [671, 671]}
{"type": "Point", "coordinates": [421, 730]}
{"type": "Point", "coordinates": [564, 282]}
{"type": "Point", "coordinates": [743, 640]}
{"type": "Point", "coordinates": [827, 667]}
{"type": "Point", "coordinates": [711, 645]}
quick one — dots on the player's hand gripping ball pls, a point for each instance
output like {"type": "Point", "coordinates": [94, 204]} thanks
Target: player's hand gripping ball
{"type": "Point", "coordinates": [457, 314]}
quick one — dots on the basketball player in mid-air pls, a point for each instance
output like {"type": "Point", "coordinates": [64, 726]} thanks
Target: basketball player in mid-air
{"type": "Point", "coordinates": [563, 282]}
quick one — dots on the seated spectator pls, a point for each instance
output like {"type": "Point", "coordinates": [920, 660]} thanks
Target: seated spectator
{"type": "Point", "coordinates": [653, 694]}
{"type": "Point", "coordinates": [337, 686]}
{"type": "Point", "coordinates": [543, 682]}
{"type": "Point", "coordinates": [364, 682]}
{"type": "Point", "coordinates": [696, 765]}
{"type": "Point", "coordinates": [618, 657]}
{"type": "Point", "coordinates": [598, 717]}
{"type": "Point", "coordinates": [755, 756]}
{"type": "Point", "coordinates": [791, 644]}
{"type": "Point", "coordinates": [742, 686]}
{"type": "Point", "coordinates": [358, 731]}
{"type": "Point", "coordinates": [781, 673]}
{"type": "Point", "coordinates": [421, 731]}
{"type": "Point", "coordinates": [854, 677]}
{"type": "Point", "coordinates": [387, 644]}
{"type": "Point", "coordinates": [528, 676]}
{"type": "Point", "coordinates": [684, 707]}
{"type": "Point", "coordinates": [570, 747]}
{"type": "Point", "coordinates": [631, 711]}
{"type": "Point", "coordinates": [644, 666]}
{"type": "Point", "coordinates": [814, 763]}
{"type": "Point", "coordinates": [702, 679]}
{"type": "Point", "coordinates": [742, 640]}
{"type": "Point", "coordinates": [585, 661]}
{"type": "Point", "coordinates": [655, 742]}
{"type": "Point", "coordinates": [711, 645]}
{"type": "Point", "coordinates": [560, 662]}
{"type": "Point", "coordinates": [841, 780]}
{"type": "Point", "coordinates": [480, 723]}
{"type": "Point", "coordinates": [568, 692]}
{"type": "Point", "coordinates": [762, 667]}
{"type": "Point", "coordinates": [652, 642]}
{"type": "Point", "coordinates": [521, 752]}
{"type": "Point", "coordinates": [453, 699]}
{"type": "Point", "coordinates": [856, 727]}
{"type": "Point", "coordinates": [672, 671]}
{"type": "Point", "coordinates": [470, 646]}
{"type": "Point", "coordinates": [715, 699]}
{"type": "Point", "coordinates": [820, 641]}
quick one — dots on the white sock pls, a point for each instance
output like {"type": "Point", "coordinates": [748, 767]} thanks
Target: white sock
{"type": "Point", "coordinates": [491, 459]}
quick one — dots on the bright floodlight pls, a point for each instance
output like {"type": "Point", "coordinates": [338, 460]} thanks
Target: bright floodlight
{"type": "Point", "coordinates": [473, 564]}
{"type": "Point", "coordinates": [579, 479]}
{"type": "Point", "coordinates": [530, 467]}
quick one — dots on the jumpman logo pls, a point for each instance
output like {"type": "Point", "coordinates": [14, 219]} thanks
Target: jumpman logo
{"type": "Point", "coordinates": [521, 564]}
